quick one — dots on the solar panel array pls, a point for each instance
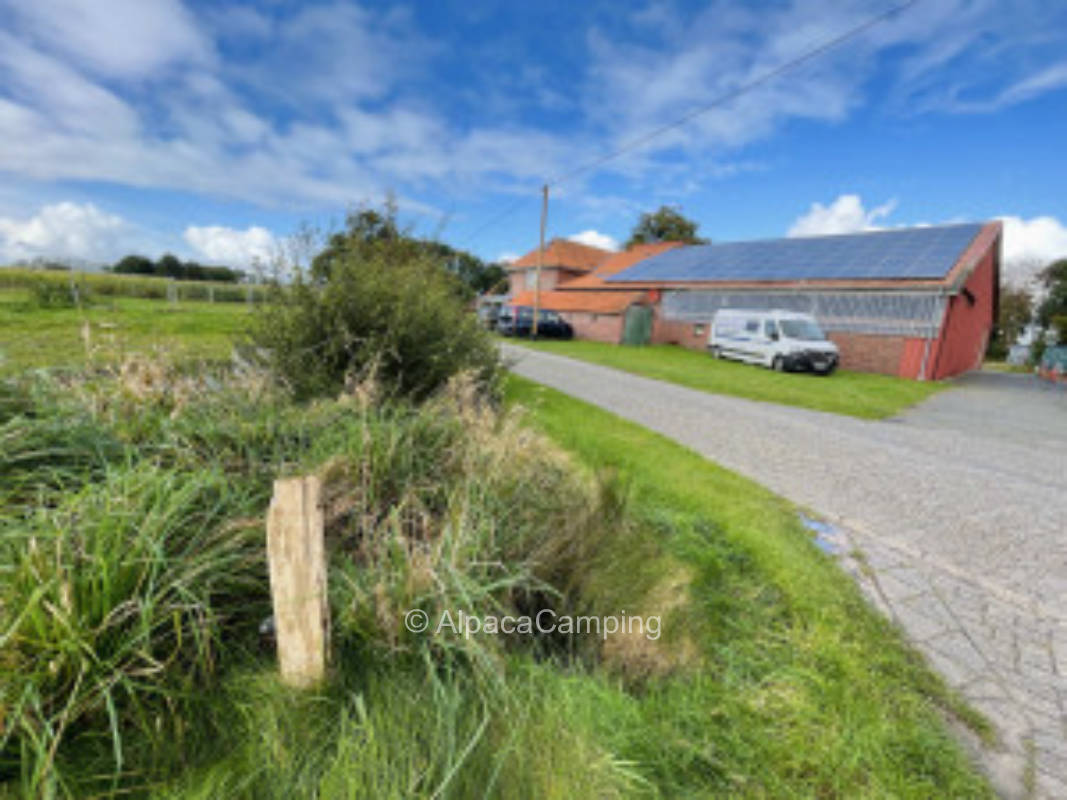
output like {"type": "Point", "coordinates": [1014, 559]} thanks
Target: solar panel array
{"type": "Point", "coordinates": [907, 253]}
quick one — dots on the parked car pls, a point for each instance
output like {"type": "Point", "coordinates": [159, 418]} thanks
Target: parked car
{"type": "Point", "coordinates": [781, 340]}
{"type": "Point", "coordinates": [487, 307]}
{"type": "Point", "coordinates": [488, 315]}
{"type": "Point", "coordinates": [518, 321]}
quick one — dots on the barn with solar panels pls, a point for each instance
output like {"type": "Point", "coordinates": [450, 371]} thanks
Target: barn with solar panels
{"type": "Point", "coordinates": [914, 302]}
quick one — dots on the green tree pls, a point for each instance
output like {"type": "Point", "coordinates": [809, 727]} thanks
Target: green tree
{"type": "Point", "coordinates": [1016, 312]}
{"type": "Point", "coordinates": [402, 321]}
{"type": "Point", "coordinates": [371, 234]}
{"type": "Point", "coordinates": [135, 265]}
{"type": "Point", "coordinates": [1052, 312]}
{"type": "Point", "coordinates": [170, 266]}
{"type": "Point", "coordinates": [665, 225]}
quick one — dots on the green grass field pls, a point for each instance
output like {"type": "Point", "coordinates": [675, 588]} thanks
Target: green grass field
{"type": "Point", "coordinates": [857, 394]}
{"type": "Point", "coordinates": [808, 692]}
{"type": "Point", "coordinates": [33, 337]}
{"type": "Point", "coordinates": [773, 677]}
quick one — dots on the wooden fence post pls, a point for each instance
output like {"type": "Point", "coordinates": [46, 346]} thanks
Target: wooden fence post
{"type": "Point", "coordinates": [297, 557]}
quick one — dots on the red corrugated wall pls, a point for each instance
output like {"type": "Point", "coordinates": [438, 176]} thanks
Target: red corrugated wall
{"type": "Point", "coordinates": [965, 332]}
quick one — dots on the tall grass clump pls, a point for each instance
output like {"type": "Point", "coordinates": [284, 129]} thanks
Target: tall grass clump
{"type": "Point", "coordinates": [114, 607]}
{"type": "Point", "coordinates": [134, 585]}
{"type": "Point", "coordinates": [399, 315]}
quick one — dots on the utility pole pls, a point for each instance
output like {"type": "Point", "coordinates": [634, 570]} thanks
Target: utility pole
{"type": "Point", "coordinates": [540, 261]}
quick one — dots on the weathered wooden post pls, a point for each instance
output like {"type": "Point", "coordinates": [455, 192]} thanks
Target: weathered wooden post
{"type": "Point", "coordinates": [297, 556]}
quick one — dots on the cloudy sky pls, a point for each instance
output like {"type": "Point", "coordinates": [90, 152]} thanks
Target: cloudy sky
{"type": "Point", "coordinates": [211, 130]}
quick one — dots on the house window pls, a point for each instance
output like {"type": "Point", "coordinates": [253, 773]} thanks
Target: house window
{"type": "Point", "coordinates": [531, 279]}
{"type": "Point", "coordinates": [698, 330]}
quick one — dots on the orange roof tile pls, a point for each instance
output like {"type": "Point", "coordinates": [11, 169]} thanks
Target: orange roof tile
{"type": "Point", "coordinates": [617, 262]}
{"type": "Point", "coordinates": [563, 253]}
{"type": "Point", "coordinates": [611, 302]}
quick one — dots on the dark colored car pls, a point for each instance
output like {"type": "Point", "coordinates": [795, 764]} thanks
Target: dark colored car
{"type": "Point", "coordinates": [518, 321]}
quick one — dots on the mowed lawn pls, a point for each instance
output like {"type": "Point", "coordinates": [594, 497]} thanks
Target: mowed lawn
{"type": "Point", "coordinates": [807, 691]}
{"type": "Point", "coordinates": [857, 394]}
{"type": "Point", "coordinates": [32, 337]}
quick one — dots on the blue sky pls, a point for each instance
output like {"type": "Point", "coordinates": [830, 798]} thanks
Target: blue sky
{"type": "Point", "coordinates": [214, 130]}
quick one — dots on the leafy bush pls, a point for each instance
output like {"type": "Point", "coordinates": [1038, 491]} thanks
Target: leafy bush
{"type": "Point", "coordinates": [404, 321]}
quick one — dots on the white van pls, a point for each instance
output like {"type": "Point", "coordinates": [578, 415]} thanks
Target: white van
{"type": "Point", "coordinates": [781, 340]}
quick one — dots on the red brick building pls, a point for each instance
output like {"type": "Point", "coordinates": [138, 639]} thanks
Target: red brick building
{"type": "Point", "coordinates": [913, 302]}
{"type": "Point", "coordinates": [563, 262]}
{"type": "Point", "coordinates": [596, 309]}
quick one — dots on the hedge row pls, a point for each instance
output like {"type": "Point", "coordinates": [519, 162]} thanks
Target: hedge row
{"type": "Point", "coordinates": [144, 287]}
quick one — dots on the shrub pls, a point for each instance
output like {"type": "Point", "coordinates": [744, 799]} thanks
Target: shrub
{"type": "Point", "coordinates": [403, 320]}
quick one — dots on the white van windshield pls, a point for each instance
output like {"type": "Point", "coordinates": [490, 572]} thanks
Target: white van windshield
{"type": "Point", "coordinates": [801, 329]}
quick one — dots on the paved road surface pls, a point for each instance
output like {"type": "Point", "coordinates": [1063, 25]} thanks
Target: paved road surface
{"type": "Point", "coordinates": [958, 505]}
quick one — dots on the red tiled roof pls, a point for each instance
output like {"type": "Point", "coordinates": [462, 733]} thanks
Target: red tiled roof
{"type": "Point", "coordinates": [617, 262]}
{"type": "Point", "coordinates": [563, 253]}
{"type": "Point", "coordinates": [608, 302]}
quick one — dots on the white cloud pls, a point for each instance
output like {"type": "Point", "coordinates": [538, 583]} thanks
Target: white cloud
{"type": "Point", "coordinates": [661, 64]}
{"type": "Point", "coordinates": [327, 104]}
{"type": "Point", "coordinates": [1030, 245]}
{"type": "Point", "coordinates": [595, 238]}
{"type": "Point", "coordinates": [846, 214]}
{"type": "Point", "coordinates": [507, 258]}
{"type": "Point", "coordinates": [231, 247]}
{"type": "Point", "coordinates": [116, 38]}
{"type": "Point", "coordinates": [65, 231]}
{"type": "Point", "coordinates": [1046, 80]}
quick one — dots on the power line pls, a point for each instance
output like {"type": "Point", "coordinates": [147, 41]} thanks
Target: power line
{"type": "Point", "coordinates": [508, 210]}
{"type": "Point", "coordinates": [735, 93]}
{"type": "Point", "coordinates": [721, 100]}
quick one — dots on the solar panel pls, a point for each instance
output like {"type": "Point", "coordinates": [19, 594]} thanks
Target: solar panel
{"type": "Point", "coordinates": [907, 253]}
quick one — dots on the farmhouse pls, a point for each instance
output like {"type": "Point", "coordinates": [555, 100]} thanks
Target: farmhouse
{"type": "Point", "coordinates": [913, 302]}
{"type": "Point", "coordinates": [562, 262]}
{"type": "Point", "coordinates": [599, 310]}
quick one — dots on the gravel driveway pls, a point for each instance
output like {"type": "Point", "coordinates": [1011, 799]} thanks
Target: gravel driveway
{"type": "Point", "coordinates": [958, 506]}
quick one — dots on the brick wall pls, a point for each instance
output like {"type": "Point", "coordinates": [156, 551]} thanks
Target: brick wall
{"type": "Point", "coordinates": [869, 352]}
{"type": "Point", "coordinates": [598, 327]}
{"type": "Point", "coordinates": [551, 277]}
{"type": "Point", "coordinates": [967, 325]}
{"type": "Point", "coordinates": [686, 334]}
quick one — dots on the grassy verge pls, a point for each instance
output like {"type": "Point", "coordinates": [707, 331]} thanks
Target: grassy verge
{"type": "Point", "coordinates": [808, 692]}
{"type": "Point", "coordinates": [32, 337]}
{"type": "Point", "coordinates": [1004, 366]}
{"type": "Point", "coordinates": [857, 394]}
{"type": "Point", "coordinates": [131, 533]}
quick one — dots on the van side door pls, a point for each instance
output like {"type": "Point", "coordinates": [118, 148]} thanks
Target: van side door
{"type": "Point", "coordinates": [771, 337]}
{"type": "Point", "coordinates": [751, 339]}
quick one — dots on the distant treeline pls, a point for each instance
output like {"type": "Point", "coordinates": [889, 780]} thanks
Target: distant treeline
{"type": "Point", "coordinates": [169, 266]}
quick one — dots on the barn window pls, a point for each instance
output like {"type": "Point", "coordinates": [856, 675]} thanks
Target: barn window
{"type": "Point", "coordinates": [698, 330]}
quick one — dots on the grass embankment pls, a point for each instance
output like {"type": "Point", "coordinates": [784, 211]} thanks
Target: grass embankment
{"type": "Point", "coordinates": [806, 690]}
{"type": "Point", "coordinates": [857, 394]}
{"type": "Point", "coordinates": [33, 336]}
{"type": "Point", "coordinates": [134, 582]}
